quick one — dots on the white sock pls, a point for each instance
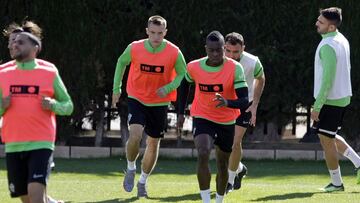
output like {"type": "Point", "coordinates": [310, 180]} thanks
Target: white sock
{"type": "Point", "coordinates": [205, 195]}
{"type": "Point", "coordinates": [51, 200]}
{"type": "Point", "coordinates": [143, 177]}
{"type": "Point", "coordinates": [232, 175]}
{"type": "Point", "coordinates": [240, 168]}
{"type": "Point", "coordinates": [219, 198]}
{"type": "Point", "coordinates": [336, 177]}
{"type": "Point", "coordinates": [131, 165]}
{"type": "Point", "coordinates": [352, 156]}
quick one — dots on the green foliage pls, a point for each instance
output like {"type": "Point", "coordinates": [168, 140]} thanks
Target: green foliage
{"type": "Point", "coordinates": [85, 38]}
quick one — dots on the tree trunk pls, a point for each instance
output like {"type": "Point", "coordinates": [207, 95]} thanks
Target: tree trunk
{"type": "Point", "coordinates": [265, 132]}
{"type": "Point", "coordinates": [99, 126]}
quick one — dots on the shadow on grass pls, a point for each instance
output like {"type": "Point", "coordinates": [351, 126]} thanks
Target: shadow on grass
{"type": "Point", "coordinates": [188, 197]}
{"type": "Point", "coordinates": [297, 195]}
{"type": "Point", "coordinates": [288, 196]}
{"type": "Point", "coordinates": [112, 200]}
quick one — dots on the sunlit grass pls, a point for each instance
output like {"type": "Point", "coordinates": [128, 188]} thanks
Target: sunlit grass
{"type": "Point", "coordinates": [100, 180]}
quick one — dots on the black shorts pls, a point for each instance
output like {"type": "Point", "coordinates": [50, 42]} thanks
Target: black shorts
{"type": "Point", "coordinates": [27, 167]}
{"type": "Point", "coordinates": [244, 119]}
{"type": "Point", "coordinates": [153, 118]}
{"type": "Point", "coordinates": [222, 134]}
{"type": "Point", "coordinates": [330, 120]}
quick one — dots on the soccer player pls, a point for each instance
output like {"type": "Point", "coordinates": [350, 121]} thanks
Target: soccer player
{"type": "Point", "coordinates": [11, 33]}
{"type": "Point", "coordinates": [332, 91]}
{"type": "Point", "coordinates": [255, 79]}
{"type": "Point", "coordinates": [220, 90]}
{"type": "Point", "coordinates": [157, 69]}
{"type": "Point", "coordinates": [31, 96]}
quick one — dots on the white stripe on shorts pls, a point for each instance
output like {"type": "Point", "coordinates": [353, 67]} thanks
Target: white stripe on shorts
{"type": "Point", "coordinates": [327, 131]}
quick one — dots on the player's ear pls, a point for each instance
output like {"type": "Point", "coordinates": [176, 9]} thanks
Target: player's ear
{"type": "Point", "coordinates": [332, 27]}
{"type": "Point", "coordinates": [37, 49]}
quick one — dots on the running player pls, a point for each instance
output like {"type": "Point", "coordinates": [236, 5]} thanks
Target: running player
{"type": "Point", "coordinates": [332, 93]}
{"type": "Point", "coordinates": [157, 68]}
{"type": "Point", "coordinates": [11, 32]}
{"type": "Point", "coordinates": [255, 79]}
{"type": "Point", "coordinates": [220, 90]}
{"type": "Point", "coordinates": [33, 94]}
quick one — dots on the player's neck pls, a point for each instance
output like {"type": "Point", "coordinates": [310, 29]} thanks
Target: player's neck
{"type": "Point", "coordinates": [211, 64]}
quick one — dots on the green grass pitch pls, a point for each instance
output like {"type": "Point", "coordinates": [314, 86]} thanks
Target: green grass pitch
{"type": "Point", "coordinates": [100, 180]}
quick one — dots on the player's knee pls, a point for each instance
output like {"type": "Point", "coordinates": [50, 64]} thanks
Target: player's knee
{"type": "Point", "coordinates": [36, 199]}
{"type": "Point", "coordinates": [152, 143]}
{"type": "Point", "coordinates": [132, 142]}
{"type": "Point", "coordinates": [36, 195]}
{"type": "Point", "coordinates": [203, 153]}
{"type": "Point", "coordinates": [134, 139]}
{"type": "Point", "coordinates": [222, 166]}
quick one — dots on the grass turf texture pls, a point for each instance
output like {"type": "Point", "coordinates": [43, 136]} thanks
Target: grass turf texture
{"type": "Point", "coordinates": [100, 180]}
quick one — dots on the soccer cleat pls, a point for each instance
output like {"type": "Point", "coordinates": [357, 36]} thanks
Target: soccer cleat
{"type": "Point", "coordinates": [239, 177]}
{"type": "Point", "coordinates": [128, 183]}
{"type": "Point", "coordinates": [333, 188]}
{"type": "Point", "coordinates": [229, 188]}
{"type": "Point", "coordinates": [141, 190]}
{"type": "Point", "coordinates": [358, 175]}
{"type": "Point", "coordinates": [52, 200]}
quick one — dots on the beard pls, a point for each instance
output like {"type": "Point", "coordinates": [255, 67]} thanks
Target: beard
{"type": "Point", "coordinates": [321, 31]}
{"type": "Point", "coordinates": [12, 54]}
{"type": "Point", "coordinates": [19, 55]}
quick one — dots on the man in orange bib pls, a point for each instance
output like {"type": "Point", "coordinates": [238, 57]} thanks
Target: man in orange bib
{"type": "Point", "coordinates": [156, 70]}
{"type": "Point", "coordinates": [220, 90]}
{"type": "Point", "coordinates": [32, 92]}
{"type": "Point", "coordinates": [11, 32]}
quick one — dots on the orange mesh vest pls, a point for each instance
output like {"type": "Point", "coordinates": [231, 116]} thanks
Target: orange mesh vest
{"type": "Point", "coordinates": [37, 61]}
{"type": "Point", "coordinates": [150, 71]}
{"type": "Point", "coordinates": [209, 83]}
{"type": "Point", "coordinates": [25, 120]}
{"type": "Point", "coordinates": [8, 64]}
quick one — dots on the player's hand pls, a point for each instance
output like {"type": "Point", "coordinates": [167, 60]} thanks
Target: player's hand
{"type": "Point", "coordinates": [6, 102]}
{"type": "Point", "coordinates": [315, 115]}
{"type": "Point", "coordinates": [222, 101]}
{"type": "Point", "coordinates": [161, 92]}
{"type": "Point", "coordinates": [47, 103]}
{"type": "Point", "coordinates": [252, 109]}
{"type": "Point", "coordinates": [180, 121]}
{"type": "Point", "coordinates": [115, 99]}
